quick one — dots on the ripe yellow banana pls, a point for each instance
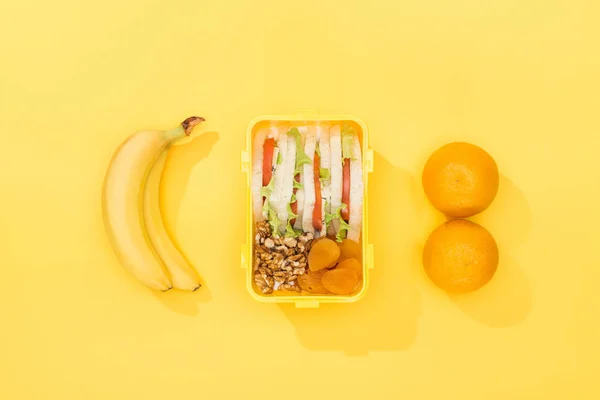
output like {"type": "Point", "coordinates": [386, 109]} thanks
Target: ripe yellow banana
{"type": "Point", "coordinates": [123, 202]}
{"type": "Point", "coordinates": [183, 276]}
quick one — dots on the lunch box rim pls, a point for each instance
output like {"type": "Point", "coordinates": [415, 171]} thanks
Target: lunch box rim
{"type": "Point", "coordinates": [306, 301]}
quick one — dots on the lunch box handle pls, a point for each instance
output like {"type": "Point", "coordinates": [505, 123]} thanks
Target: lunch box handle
{"type": "Point", "coordinates": [244, 263]}
{"type": "Point", "coordinates": [245, 161]}
{"type": "Point", "coordinates": [369, 159]}
{"type": "Point", "coordinates": [370, 257]}
{"type": "Point", "coordinates": [307, 114]}
{"type": "Point", "coordinates": [307, 304]}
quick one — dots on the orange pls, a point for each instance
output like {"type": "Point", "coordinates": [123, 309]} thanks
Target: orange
{"type": "Point", "coordinates": [460, 256]}
{"type": "Point", "coordinates": [460, 179]}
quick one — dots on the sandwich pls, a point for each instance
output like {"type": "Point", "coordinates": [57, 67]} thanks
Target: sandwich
{"type": "Point", "coordinates": [308, 179]}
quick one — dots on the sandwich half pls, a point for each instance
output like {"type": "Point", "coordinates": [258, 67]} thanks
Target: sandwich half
{"type": "Point", "coordinates": [308, 180]}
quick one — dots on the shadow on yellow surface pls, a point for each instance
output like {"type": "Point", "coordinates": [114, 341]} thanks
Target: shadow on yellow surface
{"type": "Point", "coordinates": [387, 317]}
{"type": "Point", "coordinates": [508, 218]}
{"type": "Point", "coordinates": [181, 160]}
{"type": "Point", "coordinates": [506, 299]}
{"type": "Point", "coordinates": [178, 168]}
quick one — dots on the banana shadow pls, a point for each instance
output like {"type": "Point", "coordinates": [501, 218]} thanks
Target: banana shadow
{"type": "Point", "coordinates": [506, 300]}
{"type": "Point", "coordinates": [387, 317]}
{"type": "Point", "coordinates": [181, 160]}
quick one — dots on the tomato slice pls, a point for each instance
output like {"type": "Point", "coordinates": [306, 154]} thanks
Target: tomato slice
{"type": "Point", "coordinates": [346, 189]}
{"type": "Point", "coordinates": [294, 205]}
{"type": "Point", "coordinates": [317, 212]}
{"type": "Point", "coordinates": [268, 149]}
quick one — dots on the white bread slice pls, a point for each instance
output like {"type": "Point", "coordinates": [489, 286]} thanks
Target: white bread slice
{"type": "Point", "coordinates": [356, 191]}
{"type": "Point", "coordinates": [289, 164]}
{"type": "Point", "coordinates": [335, 140]}
{"type": "Point", "coordinates": [300, 192]}
{"type": "Point", "coordinates": [324, 148]}
{"type": "Point", "coordinates": [276, 200]}
{"type": "Point", "coordinates": [309, 185]}
{"type": "Point", "coordinates": [257, 173]}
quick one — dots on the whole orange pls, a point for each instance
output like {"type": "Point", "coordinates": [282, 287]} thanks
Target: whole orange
{"type": "Point", "coordinates": [460, 256]}
{"type": "Point", "coordinates": [460, 179]}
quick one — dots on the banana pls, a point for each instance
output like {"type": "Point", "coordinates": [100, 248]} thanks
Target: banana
{"type": "Point", "coordinates": [183, 276]}
{"type": "Point", "coordinates": [123, 203]}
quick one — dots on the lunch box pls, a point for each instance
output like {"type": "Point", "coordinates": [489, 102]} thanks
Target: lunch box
{"type": "Point", "coordinates": [304, 118]}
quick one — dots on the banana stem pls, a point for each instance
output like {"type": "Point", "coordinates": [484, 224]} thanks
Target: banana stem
{"type": "Point", "coordinates": [189, 124]}
{"type": "Point", "coordinates": [185, 128]}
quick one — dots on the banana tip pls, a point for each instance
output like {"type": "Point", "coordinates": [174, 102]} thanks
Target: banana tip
{"type": "Point", "coordinates": [196, 288]}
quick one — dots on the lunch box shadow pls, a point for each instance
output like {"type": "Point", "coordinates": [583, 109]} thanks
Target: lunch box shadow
{"type": "Point", "coordinates": [387, 317]}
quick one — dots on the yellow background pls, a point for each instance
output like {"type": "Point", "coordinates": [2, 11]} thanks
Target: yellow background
{"type": "Point", "coordinates": [519, 78]}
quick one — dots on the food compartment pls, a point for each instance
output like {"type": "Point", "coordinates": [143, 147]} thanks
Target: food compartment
{"type": "Point", "coordinates": [307, 225]}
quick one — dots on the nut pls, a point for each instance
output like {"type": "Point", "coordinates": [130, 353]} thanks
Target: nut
{"type": "Point", "coordinates": [262, 284]}
{"type": "Point", "coordinates": [290, 242]}
{"type": "Point", "coordinates": [269, 280]}
{"type": "Point", "coordinates": [289, 287]}
{"type": "Point", "coordinates": [295, 257]}
{"type": "Point", "coordinates": [278, 261]}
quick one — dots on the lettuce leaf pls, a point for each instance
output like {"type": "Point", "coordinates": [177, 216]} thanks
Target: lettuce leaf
{"type": "Point", "coordinates": [324, 173]}
{"type": "Point", "coordinates": [273, 221]}
{"type": "Point", "coordinates": [268, 209]}
{"type": "Point", "coordinates": [272, 218]}
{"type": "Point", "coordinates": [318, 149]}
{"type": "Point", "coordinates": [266, 191]}
{"type": "Point", "coordinates": [289, 230]}
{"type": "Point", "coordinates": [348, 135]}
{"type": "Point", "coordinates": [301, 157]}
{"type": "Point", "coordinates": [279, 158]}
{"type": "Point", "coordinates": [298, 185]}
{"type": "Point", "coordinates": [344, 227]}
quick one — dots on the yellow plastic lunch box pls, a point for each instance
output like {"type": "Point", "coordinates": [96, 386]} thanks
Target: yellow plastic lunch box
{"type": "Point", "coordinates": [306, 118]}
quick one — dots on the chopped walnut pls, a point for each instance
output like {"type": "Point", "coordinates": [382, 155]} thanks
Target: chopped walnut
{"type": "Point", "coordinates": [279, 261]}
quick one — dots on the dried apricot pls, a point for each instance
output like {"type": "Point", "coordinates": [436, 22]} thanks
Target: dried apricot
{"type": "Point", "coordinates": [340, 281]}
{"type": "Point", "coordinates": [353, 264]}
{"type": "Point", "coordinates": [349, 249]}
{"type": "Point", "coordinates": [324, 253]}
{"type": "Point", "coordinates": [311, 282]}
